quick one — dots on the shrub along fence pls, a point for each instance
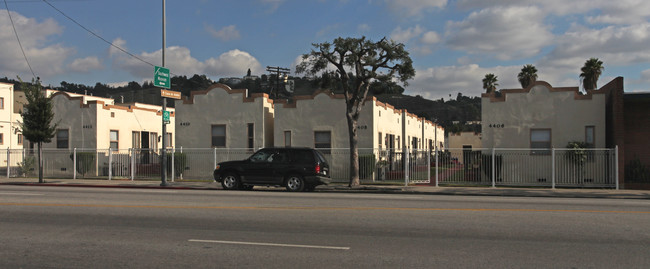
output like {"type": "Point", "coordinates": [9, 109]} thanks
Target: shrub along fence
{"type": "Point", "coordinates": [486, 167]}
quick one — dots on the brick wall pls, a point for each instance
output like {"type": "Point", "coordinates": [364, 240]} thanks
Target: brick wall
{"type": "Point", "coordinates": [637, 128]}
{"type": "Point", "coordinates": [615, 123]}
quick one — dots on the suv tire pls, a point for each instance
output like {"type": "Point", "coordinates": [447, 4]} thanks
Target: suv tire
{"type": "Point", "coordinates": [295, 183]}
{"type": "Point", "coordinates": [231, 181]}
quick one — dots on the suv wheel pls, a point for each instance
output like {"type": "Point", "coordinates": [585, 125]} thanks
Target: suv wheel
{"type": "Point", "coordinates": [230, 182]}
{"type": "Point", "coordinates": [295, 183]}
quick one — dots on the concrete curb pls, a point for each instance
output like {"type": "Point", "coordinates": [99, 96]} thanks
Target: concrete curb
{"type": "Point", "coordinates": [419, 190]}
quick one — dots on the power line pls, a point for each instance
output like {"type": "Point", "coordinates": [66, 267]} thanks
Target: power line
{"type": "Point", "coordinates": [18, 38]}
{"type": "Point", "coordinates": [96, 35]}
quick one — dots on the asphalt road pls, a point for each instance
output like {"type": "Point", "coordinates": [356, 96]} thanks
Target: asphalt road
{"type": "Point", "coordinates": [63, 227]}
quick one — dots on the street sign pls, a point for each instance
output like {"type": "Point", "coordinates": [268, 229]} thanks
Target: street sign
{"type": "Point", "coordinates": [161, 77]}
{"type": "Point", "coordinates": [170, 94]}
{"type": "Point", "coordinates": [166, 117]}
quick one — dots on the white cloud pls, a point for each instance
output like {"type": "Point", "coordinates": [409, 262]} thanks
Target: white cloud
{"type": "Point", "coordinates": [405, 35]}
{"type": "Point", "coordinates": [86, 64]}
{"type": "Point", "coordinates": [609, 12]}
{"type": "Point", "coordinates": [232, 63]}
{"type": "Point", "coordinates": [430, 38]}
{"type": "Point", "coordinates": [506, 33]}
{"type": "Point", "coordinates": [272, 5]}
{"type": "Point", "coordinates": [180, 62]}
{"type": "Point", "coordinates": [226, 33]}
{"type": "Point", "coordinates": [118, 84]}
{"type": "Point", "coordinates": [46, 59]}
{"type": "Point", "coordinates": [614, 45]}
{"type": "Point", "coordinates": [439, 82]}
{"type": "Point", "coordinates": [328, 29]}
{"type": "Point", "coordinates": [119, 42]}
{"type": "Point", "coordinates": [556, 7]}
{"type": "Point", "coordinates": [414, 8]}
{"type": "Point", "coordinates": [622, 12]}
{"type": "Point", "coordinates": [418, 38]}
{"type": "Point", "coordinates": [645, 76]}
{"type": "Point", "coordinates": [362, 28]}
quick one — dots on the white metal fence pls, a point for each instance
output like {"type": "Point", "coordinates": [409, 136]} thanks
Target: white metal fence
{"type": "Point", "coordinates": [528, 167]}
{"type": "Point", "coordinates": [489, 167]}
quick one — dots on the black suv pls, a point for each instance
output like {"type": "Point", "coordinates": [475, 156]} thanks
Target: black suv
{"type": "Point", "coordinates": [297, 169]}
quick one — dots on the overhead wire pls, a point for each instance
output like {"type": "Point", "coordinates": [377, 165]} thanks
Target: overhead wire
{"type": "Point", "coordinates": [18, 38]}
{"type": "Point", "coordinates": [96, 35]}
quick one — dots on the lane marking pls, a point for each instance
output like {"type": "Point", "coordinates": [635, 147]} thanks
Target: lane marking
{"type": "Point", "coordinates": [267, 244]}
{"type": "Point", "coordinates": [141, 190]}
{"type": "Point", "coordinates": [21, 193]}
{"type": "Point", "coordinates": [332, 208]}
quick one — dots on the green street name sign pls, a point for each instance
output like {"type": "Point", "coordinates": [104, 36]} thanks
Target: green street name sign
{"type": "Point", "coordinates": [166, 117]}
{"type": "Point", "coordinates": [161, 77]}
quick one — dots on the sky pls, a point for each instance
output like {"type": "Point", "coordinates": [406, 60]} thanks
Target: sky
{"type": "Point", "coordinates": [453, 44]}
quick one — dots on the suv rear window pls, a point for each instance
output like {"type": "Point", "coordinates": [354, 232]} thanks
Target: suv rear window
{"type": "Point", "coordinates": [320, 157]}
{"type": "Point", "coordinates": [303, 156]}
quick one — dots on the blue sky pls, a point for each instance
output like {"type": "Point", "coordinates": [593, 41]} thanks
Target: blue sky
{"type": "Point", "coordinates": [453, 43]}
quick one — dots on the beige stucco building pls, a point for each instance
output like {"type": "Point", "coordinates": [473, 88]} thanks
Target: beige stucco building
{"type": "Point", "coordinates": [89, 122]}
{"type": "Point", "coordinates": [10, 135]}
{"type": "Point", "coordinates": [319, 121]}
{"type": "Point", "coordinates": [542, 116]}
{"type": "Point", "coordinates": [221, 117]}
{"type": "Point", "coordinates": [463, 141]}
{"type": "Point", "coordinates": [529, 127]}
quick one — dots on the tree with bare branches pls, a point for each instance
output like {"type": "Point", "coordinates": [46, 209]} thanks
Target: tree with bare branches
{"type": "Point", "coordinates": [358, 62]}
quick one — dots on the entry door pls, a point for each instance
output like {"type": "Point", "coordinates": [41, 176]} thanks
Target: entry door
{"type": "Point", "coordinates": [144, 150]}
{"type": "Point", "coordinates": [467, 155]}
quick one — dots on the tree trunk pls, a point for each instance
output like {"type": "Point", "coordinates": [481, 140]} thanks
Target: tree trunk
{"type": "Point", "coordinates": [354, 150]}
{"type": "Point", "coordinates": [40, 162]}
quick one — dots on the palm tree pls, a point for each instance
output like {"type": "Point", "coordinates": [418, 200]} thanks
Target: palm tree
{"type": "Point", "coordinates": [490, 83]}
{"type": "Point", "coordinates": [591, 72]}
{"type": "Point", "coordinates": [527, 76]}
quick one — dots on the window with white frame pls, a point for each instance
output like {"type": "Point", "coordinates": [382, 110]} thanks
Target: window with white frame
{"type": "Point", "coordinates": [287, 138]}
{"type": "Point", "coordinates": [590, 136]}
{"type": "Point", "coordinates": [153, 141]}
{"type": "Point", "coordinates": [323, 139]}
{"type": "Point", "coordinates": [219, 136]}
{"type": "Point", "coordinates": [540, 139]}
{"type": "Point", "coordinates": [251, 135]}
{"type": "Point", "coordinates": [115, 137]}
{"type": "Point", "coordinates": [135, 139]}
{"type": "Point", "coordinates": [62, 137]}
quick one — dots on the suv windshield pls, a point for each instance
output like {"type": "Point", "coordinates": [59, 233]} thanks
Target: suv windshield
{"type": "Point", "coordinates": [262, 156]}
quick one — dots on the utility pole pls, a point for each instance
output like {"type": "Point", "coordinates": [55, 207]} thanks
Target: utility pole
{"type": "Point", "coordinates": [278, 71]}
{"type": "Point", "coordinates": [163, 161]}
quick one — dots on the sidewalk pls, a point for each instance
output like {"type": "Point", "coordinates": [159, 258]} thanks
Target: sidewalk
{"type": "Point", "coordinates": [424, 190]}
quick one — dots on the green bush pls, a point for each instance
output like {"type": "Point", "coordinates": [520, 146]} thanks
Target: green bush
{"type": "Point", "coordinates": [85, 162]}
{"type": "Point", "coordinates": [180, 161]}
{"type": "Point", "coordinates": [577, 155]}
{"type": "Point", "coordinates": [26, 165]}
{"type": "Point", "coordinates": [366, 166]}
